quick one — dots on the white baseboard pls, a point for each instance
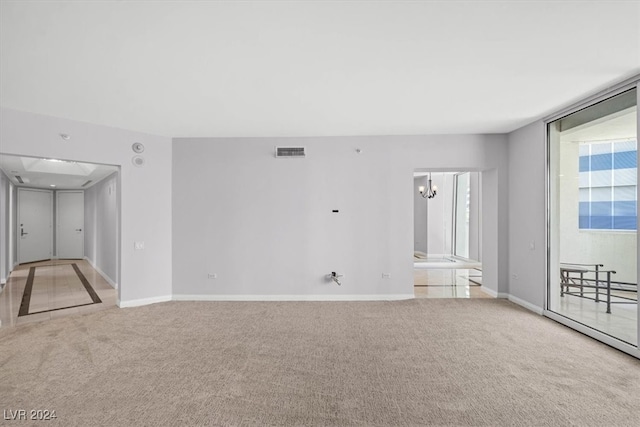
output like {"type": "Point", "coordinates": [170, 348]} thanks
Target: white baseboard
{"type": "Point", "coordinates": [494, 293]}
{"type": "Point", "coordinates": [527, 305]}
{"type": "Point", "coordinates": [222, 297]}
{"type": "Point", "coordinates": [102, 273]}
{"type": "Point", "coordinates": [143, 301]}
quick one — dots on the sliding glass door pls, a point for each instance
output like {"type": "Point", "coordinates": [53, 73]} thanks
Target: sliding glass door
{"type": "Point", "coordinates": [593, 216]}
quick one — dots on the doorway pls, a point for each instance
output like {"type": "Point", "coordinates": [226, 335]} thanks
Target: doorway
{"type": "Point", "coordinates": [63, 217]}
{"type": "Point", "coordinates": [447, 234]}
{"type": "Point", "coordinates": [34, 231]}
{"type": "Point", "coordinates": [70, 224]}
{"type": "Point", "coordinates": [592, 281]}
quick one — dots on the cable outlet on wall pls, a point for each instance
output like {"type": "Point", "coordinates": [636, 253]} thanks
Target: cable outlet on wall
{"type": "Point", "coordinates": [212, 275]}
{"type": "Point", "coordinates": [138, 246]}
{"type": "Point", "coordinates": [386, 275]}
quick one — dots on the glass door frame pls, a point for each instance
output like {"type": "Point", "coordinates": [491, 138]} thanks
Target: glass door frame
{"type": "Point", "coordinates": [454, 219]}
{"type": "Point", "coordinates": [628, 84]}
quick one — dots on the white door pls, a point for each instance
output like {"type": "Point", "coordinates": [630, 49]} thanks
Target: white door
{"type": "Point", "coordinates": [35, 214]}
{"type": "Point", "coordinates": [70, 224]}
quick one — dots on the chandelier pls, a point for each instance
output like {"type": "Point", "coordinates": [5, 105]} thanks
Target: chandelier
{"type": "Point", "coordinates": [429, 193]}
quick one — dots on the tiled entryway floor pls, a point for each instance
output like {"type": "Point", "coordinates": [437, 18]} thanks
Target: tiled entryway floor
{"type": "Point", "coordinates": [448, 283]}
{"type": "Point", "coordinates": [46, 290]}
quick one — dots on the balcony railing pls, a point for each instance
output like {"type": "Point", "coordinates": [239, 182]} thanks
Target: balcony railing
{"type": "Point", "coordinates": [590, 281]}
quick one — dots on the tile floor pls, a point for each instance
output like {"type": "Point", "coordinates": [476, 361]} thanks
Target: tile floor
{"type": "Point", "coordinates": [448, 283]}
{"type": "Point", "coordinates": [57, 291]}
{"type": "Point", "coordinates": [621, 323]}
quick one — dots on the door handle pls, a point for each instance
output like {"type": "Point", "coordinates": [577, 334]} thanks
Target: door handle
{"type": "Point", "coordinates": [78, 229]}
{"type": "Point", "coordinates": [22, 233]}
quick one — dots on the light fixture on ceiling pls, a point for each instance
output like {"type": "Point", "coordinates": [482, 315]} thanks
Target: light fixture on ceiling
{"type": "Point", "coordinates": [71, 162]}
{"type": "Point", "coordinates": [429, 193]}
{"type": "Point", "coordinates": [65, 136]}
{"type": "Point", "coordinates": [52, 185]}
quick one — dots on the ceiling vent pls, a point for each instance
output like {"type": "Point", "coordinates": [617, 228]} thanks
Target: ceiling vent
{"type": "Point", "coordinates": [19, 179]}
{"type": "Point", "coordinates": [290, 152]}
{"type": "Point", "coordinates": [87, 183]}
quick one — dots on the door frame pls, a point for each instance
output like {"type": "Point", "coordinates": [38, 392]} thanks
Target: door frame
{"type": "Point", "coordinates": [629, 84]}
{"type": "Point", "coordinates": [18, 239]}
{"type": "Point", "coordinates": [57, 220]}
{"type": "Point", "coordinates": [454, 222]}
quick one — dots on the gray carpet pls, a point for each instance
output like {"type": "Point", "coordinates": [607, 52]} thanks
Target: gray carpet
{"type": "Point", "coordinates": [415, 362]}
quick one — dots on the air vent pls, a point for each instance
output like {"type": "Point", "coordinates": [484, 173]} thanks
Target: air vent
{"type": "Point", "coordinates": [19, 179]}
{"type": "Point", "coordinates": [290, 152]}
{"type": "Point", "coordinates": [87, 183]}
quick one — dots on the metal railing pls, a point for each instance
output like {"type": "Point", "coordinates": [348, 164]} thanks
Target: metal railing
{"type": "Point", "coordinates": [590, 279]}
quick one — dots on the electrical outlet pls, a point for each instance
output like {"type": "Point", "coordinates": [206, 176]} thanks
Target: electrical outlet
{"type": "Point", "coordinates": [386, 275]}
{"type": "Point", "coordinates": [514, 276]}
{"type": "Point", "coordinates": [212, 276]}
{"type": "Point", "coordinates": [138, 246]}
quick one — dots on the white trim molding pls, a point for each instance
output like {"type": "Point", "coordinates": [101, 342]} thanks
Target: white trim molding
{"type": "Point", "coordinates": [526, 304]}
{"type": "Point", "coordinates": [493, 293]}
{"type": "Point", "coordinates": [143, 301]}
{"type": "Point", "coordinates": [223, 297]}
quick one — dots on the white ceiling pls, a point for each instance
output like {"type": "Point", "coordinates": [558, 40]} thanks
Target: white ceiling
{"type": "Point", "coordinates": [312, 68]}
{"type": "Point", "coordinates": [53, 173]}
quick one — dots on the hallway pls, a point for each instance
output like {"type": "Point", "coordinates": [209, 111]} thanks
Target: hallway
{"type": "Point", "coordinates": [51, 289]}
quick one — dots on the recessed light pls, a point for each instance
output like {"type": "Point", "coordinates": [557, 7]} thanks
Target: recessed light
{"type": "Point", "coordinates": [65, 136]}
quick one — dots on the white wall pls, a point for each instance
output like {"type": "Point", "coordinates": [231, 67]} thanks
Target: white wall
{"type": "Point", "coordinates": [265, 225]}
{"type": "Point", "coordinates": [8, 210]}
{"type": "Point", "coordinates": [101, 226]}
{"type": "Point", "coordinates": [527, 215]}
{"type": "Point", "coordinates": [433, 218]}
{"type": "Point", "coordinates": [420, 212]}
{"type": "Point", "coordinates": [5, 212]}
{"type": "Point", "coordinates": [145, 192]}
{"type": "Point", "coordinates": [475, 220]}
{"type": "Point", "coordinates": [440, 214]}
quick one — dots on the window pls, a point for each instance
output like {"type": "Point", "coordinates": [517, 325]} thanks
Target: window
{"type": "Point", "coordinates": [607, 185]}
